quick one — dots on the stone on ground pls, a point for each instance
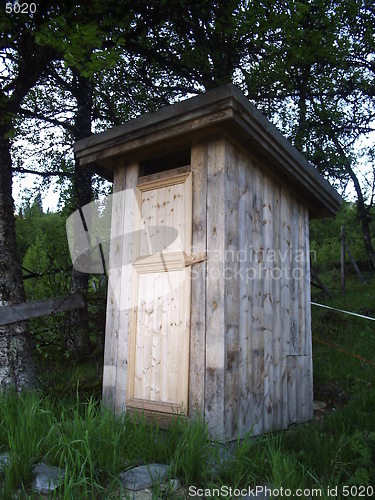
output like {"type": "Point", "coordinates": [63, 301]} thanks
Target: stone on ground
{"type": "Point", "coordinates": [4, 461]}
{"type": "Point", "coordinates": [47, 478]}
{"type": "Point", "coordinates": [143, 476]}
{"type": "Point", "coordinates": [170, 486]}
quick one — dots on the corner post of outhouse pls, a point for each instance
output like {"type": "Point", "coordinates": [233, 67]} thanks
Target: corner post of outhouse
{"type": "Point", "coordinates": [119, 307]}
{"type": "Point", "coordinates": [215, 292]}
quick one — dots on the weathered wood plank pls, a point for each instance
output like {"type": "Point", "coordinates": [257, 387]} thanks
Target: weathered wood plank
{"type": "Point", "coordinates": [304, 397]}
{"type": "Point", "coordinates": [27, 310]}
{"type": "Point", "coordinates": [277, 333]}
{"type": "Point", "coordinates": [198, 280]}
{"type": "Point", "coordinates": [309, 410]}
{"type": "Point", "coordinates": [299, 281]}
{"type": "Point", "coordinates": [245, 285]}
{"type": "Point", "coordinates": [215, 327]}
{"type": "Point", "coordinates": [232, 296]}
{"type": "Point", "coordinates": [307, 284]}
{"type": "Point", "coordinates": [251, 272]}
{"type": "Point", "coordinates": [292, 365]}
{"type": "Point", "coordinates": [114, 288]}
{"type": "Point", "coordinates": [134, 318]}
{"type": "Point", "coordinates": [293, 380]}
{"type": "Point", "coordinates": [183, 126]}
{"type": "Point", "coordinates": [285, 298]}
{"type": "Point", "coordinates": [128, 255]}
{"type": "Point", "coordinates": [257, 318]}
{"type": "Point", "coordinates": [286, 250]}
{"type": "Point", "coordinates": [304, 401]}
{"type": "Point", "coordinates": [295, 284]}
{"type": "Point", "coordinates": [165, 118]}
{"type": "Point", "coordinates": [301, 277]}
{"type": "Point", "coordinates": [267, 299]}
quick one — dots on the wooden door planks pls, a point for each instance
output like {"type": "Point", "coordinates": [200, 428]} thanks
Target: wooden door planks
{"type": "Point", "coordinates": [159, 336]}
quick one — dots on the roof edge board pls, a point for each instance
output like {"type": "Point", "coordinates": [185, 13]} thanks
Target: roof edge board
{"type": "Point", "coordinates": [148, 120]}
{"type": "Point", "coordinates": [106, 148]}
{"type": "Point", "coordinates": [146, 130]}
{"type": "Point", "coordinates": [307, 176]}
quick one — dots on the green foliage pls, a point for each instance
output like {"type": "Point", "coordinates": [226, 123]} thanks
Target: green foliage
{"type": "Point", "coordinates": [325, 240]}
{"type": "Point", "coordinates": [191, 448]}
{"type": "Point", "coordinates": [44, 249]}
{"type": "Point", "coordinates": [88, 37]}
{"type": "Point", "coordinates": [347, 453]}
{"type": "Point", "coordinates": [42, 241]}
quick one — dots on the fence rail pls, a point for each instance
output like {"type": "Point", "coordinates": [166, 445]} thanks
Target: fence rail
{"type": "Point", "coordinates": [27, 310]}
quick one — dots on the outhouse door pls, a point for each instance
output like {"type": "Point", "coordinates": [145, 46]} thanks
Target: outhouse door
{"type": "Point", "coordinates": [158, 358]}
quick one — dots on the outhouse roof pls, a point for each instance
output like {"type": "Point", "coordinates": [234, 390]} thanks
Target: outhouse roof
{"type": "Point", "coordinates": [222, 111]}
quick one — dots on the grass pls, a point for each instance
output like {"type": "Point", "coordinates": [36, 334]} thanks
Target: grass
{"type": "Point", "coordinates": [93, 446]}
{"type": "Point", "coordinates": [352, 334]}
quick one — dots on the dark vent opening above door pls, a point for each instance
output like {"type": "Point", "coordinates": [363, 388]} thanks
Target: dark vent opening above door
{"type": "Point", "coordinates": [165, 162]}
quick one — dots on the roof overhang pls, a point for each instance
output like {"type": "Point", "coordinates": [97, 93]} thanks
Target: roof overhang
{"type": "Point", "coordinates": [224, 110]}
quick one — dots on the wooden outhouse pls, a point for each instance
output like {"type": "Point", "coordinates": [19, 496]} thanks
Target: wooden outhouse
{"type": "Point", "coordinates": [218, 319]}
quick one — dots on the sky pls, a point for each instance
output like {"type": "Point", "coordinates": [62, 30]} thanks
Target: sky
{"type": "Point", "coordinates": [50, 198]}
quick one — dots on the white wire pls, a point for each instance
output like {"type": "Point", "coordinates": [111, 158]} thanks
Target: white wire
{"type": "Point", "coordinates": [342, 310]}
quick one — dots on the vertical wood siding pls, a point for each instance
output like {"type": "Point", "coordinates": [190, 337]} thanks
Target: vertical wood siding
{"type": "Point", "coordinates": [268, 368]}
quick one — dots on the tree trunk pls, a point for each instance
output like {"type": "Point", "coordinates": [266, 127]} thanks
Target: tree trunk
{"type": "Point", "coordinates": [301, 129]}
{"type": "Point", "coordinates": [361, 206]}
{"type": "Point", "coordinates": [78, 340]}
{"type": "Point", "coordinates": [17, 369]}
{"type": "Point", "coordinates": [363, 217]}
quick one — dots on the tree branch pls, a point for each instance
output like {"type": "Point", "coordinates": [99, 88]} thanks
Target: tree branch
{"type": "Point", "coordinates": [53, 173]}
{"type": "Point", "coordinates": [59, 79]}
{"type": "Point", "coordinates": [38, 116]}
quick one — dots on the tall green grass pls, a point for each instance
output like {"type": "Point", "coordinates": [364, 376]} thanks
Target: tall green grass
{"type": "Point", "coordinates": [93, 446]}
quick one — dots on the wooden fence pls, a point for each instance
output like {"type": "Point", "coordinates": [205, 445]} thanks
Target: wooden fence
{"type": "Point", "coordinates": [27, 310]}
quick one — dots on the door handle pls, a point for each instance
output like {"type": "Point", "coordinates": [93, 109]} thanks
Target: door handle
{"type": "Point", "coordinates": [190, 260]}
